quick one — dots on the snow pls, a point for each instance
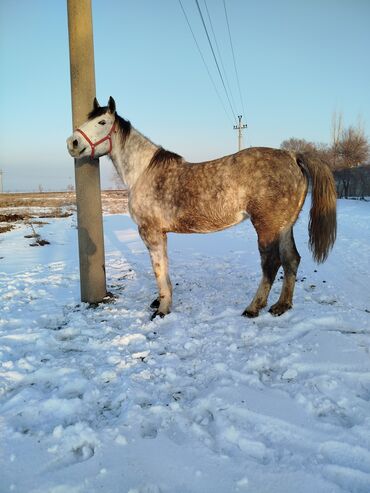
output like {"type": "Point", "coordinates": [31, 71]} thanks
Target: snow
{"type": "Point", "coordinates": [203, 400]}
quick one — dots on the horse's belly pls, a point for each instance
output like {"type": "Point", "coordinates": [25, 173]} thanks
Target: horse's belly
{"type": "Point", "coordinates": [198, 222]}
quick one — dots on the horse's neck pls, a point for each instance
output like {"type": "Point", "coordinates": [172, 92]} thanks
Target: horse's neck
{"type": "Point", "coordinates": [132, 156]}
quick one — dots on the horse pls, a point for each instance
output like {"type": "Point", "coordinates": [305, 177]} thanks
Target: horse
{"type": "Point", "coordinates": [168, 194]}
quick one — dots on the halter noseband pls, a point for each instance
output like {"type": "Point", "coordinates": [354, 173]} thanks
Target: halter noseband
{"type": "Point", "coordinates": [95, 144]}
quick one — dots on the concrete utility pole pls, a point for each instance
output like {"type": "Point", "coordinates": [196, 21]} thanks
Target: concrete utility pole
{"type": "Point", "coordinates": [87, 175]}
{"type": "Point", "coordinates": [1, 181]}
{"type": "Point", "coordinates": [240, 128]}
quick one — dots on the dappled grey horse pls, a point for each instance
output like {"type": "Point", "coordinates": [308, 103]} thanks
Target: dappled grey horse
{"type": "Point", "coordinates": [168, 194]}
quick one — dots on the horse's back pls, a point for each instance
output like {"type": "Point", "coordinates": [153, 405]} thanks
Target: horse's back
{"type": "Point", "coordinates": [209, 196]}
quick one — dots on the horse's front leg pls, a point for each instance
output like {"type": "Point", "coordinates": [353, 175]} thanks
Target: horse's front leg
{"type": "Point", "coordinates": [156, 242]}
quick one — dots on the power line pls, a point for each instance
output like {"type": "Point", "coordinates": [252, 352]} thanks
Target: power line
{"type": "Point", "coordinates": [219, 54]}
{"type": "Point", "coordinates": [203, 59]}
{"type": "Point", "coordinates": [215, 59]}
{"type": "Point", "coordinates": [233, 54]}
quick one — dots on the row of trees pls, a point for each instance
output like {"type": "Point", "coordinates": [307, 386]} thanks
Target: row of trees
{"type": "Point", "coordinates": [348, 155]}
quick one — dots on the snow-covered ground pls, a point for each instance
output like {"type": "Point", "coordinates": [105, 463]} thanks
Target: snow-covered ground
{"type": "Point", "coordinates": [204, 400]}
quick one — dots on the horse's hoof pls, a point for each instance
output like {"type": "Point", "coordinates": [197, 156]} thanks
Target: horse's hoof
{"type": "Point", "coordinates": [157, 314]}
{"type": "Point", "coordinates": [279, 308]}
{"type": "Point", "coordinates": [154, 305]}
{"type": "Point", "coordinates": [250, 313]}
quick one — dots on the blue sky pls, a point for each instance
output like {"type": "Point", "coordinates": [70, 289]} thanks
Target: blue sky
{"type": "Point", "coordinates": [298, 62]}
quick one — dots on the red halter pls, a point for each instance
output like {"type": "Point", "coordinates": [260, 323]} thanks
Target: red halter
{"type": "Point", "coordinates": [95, 144]}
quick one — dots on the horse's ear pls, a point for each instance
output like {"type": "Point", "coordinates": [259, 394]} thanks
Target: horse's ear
{"type": "Point", "coordinates": [111, 105]}
{"type": "Point", "coordinates": [96, 104]}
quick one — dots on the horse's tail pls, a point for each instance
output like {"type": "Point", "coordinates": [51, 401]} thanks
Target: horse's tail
{"type": "Point", "coordinates": [323, 218]}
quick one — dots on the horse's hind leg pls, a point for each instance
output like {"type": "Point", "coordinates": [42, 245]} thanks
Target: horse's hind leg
{"type": "Point", "coordinates": [270, 263]}
{"type": "Point", "coordinates": [290, 259]}
{"type": "Point", "coordinates": [156, 242]}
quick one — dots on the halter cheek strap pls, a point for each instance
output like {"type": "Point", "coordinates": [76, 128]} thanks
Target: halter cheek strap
{"type": "Point", "coordinates": [95, 144]}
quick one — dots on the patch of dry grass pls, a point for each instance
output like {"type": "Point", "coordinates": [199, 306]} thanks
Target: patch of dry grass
{"type": "Point", "coordinates": [45, 199]}
{"type": "Point", "coordinates": [4, 229]}
{"type": "Point", "coordinates": [20, 207]}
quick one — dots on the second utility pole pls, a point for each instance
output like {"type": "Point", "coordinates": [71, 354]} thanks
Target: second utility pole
{"type": "Point", "coordinates": [240, 127]}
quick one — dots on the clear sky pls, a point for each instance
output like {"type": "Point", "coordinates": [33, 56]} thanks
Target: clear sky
{"type": "Point", "coordinates": [298, 62]}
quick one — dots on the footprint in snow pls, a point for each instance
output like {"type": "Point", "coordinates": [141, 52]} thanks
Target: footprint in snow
{"type": "Point", "coordinates": [148, 430]}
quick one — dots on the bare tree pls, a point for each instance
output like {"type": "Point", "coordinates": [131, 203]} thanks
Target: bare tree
{"type": "Point", "coordinates": [348, 155]}
{"type": "Point", "coordinates": [116, 180]}
{"type": "Point", "coordinates": [364, 181]}
{"type": "Point", "coordinates": [349, 147]}
{"type": "Point", "coordinates": [325, 153]}
{"type": "Point", "coordinates": [321, 150]}
{"type": "Point", "coordinates": [336, 134]}
{"type": "Point", "coordinates": [353, 147]}
{"type": "Point", "coordinates": [353, 151]}
{"type": "Point", "coordinates": [353, 182]}
{"type": "Point", "coordinates": [298, 145]}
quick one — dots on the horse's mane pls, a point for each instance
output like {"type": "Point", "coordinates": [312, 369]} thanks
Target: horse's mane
{"type": "Point", "coordinates": [99, 111]}
{"type": "Point", "coordinates": [162, 156]}
{"type": "Point", "coordinates": [124, 127]}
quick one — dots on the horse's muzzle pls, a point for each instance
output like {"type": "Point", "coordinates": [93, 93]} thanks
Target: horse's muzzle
{"type": "Point", "coordinates": [75, 146]}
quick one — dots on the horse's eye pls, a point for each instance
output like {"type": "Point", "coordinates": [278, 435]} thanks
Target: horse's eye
{"type": "Point", "coordinates": [102, 122]}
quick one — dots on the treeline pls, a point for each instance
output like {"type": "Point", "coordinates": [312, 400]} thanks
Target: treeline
{"type": "Point", "coordinates": [353, 182]}
{"type": "Point", "coordinates": [348, 156]}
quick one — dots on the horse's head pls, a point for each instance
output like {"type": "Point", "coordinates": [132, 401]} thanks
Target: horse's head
{"type": "Point", "coordinates": [93, 138]}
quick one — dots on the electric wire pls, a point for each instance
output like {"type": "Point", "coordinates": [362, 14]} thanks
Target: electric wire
{"type": "Point", "coordinates": [219, 54]}
{"type": "Point", "coordinates": [204, 62]}
{"type": "Point", "coordinates": [215, 59]}
{"type": "Point", "coordinates": [233, 55]}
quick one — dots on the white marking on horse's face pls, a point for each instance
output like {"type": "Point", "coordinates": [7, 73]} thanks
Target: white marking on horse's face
{"type": "Point", "coordinates": [95, 129]}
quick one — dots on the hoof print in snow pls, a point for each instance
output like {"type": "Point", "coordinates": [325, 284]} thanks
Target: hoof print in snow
{"type": "Point", "coordinates": [148, 430]}
{"type": "Point", "coordinates": [108, 298]}
{"type": "Point", "coordinates": [40, 242]}
{"type": "Point", "coordinates": [84, 452]}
